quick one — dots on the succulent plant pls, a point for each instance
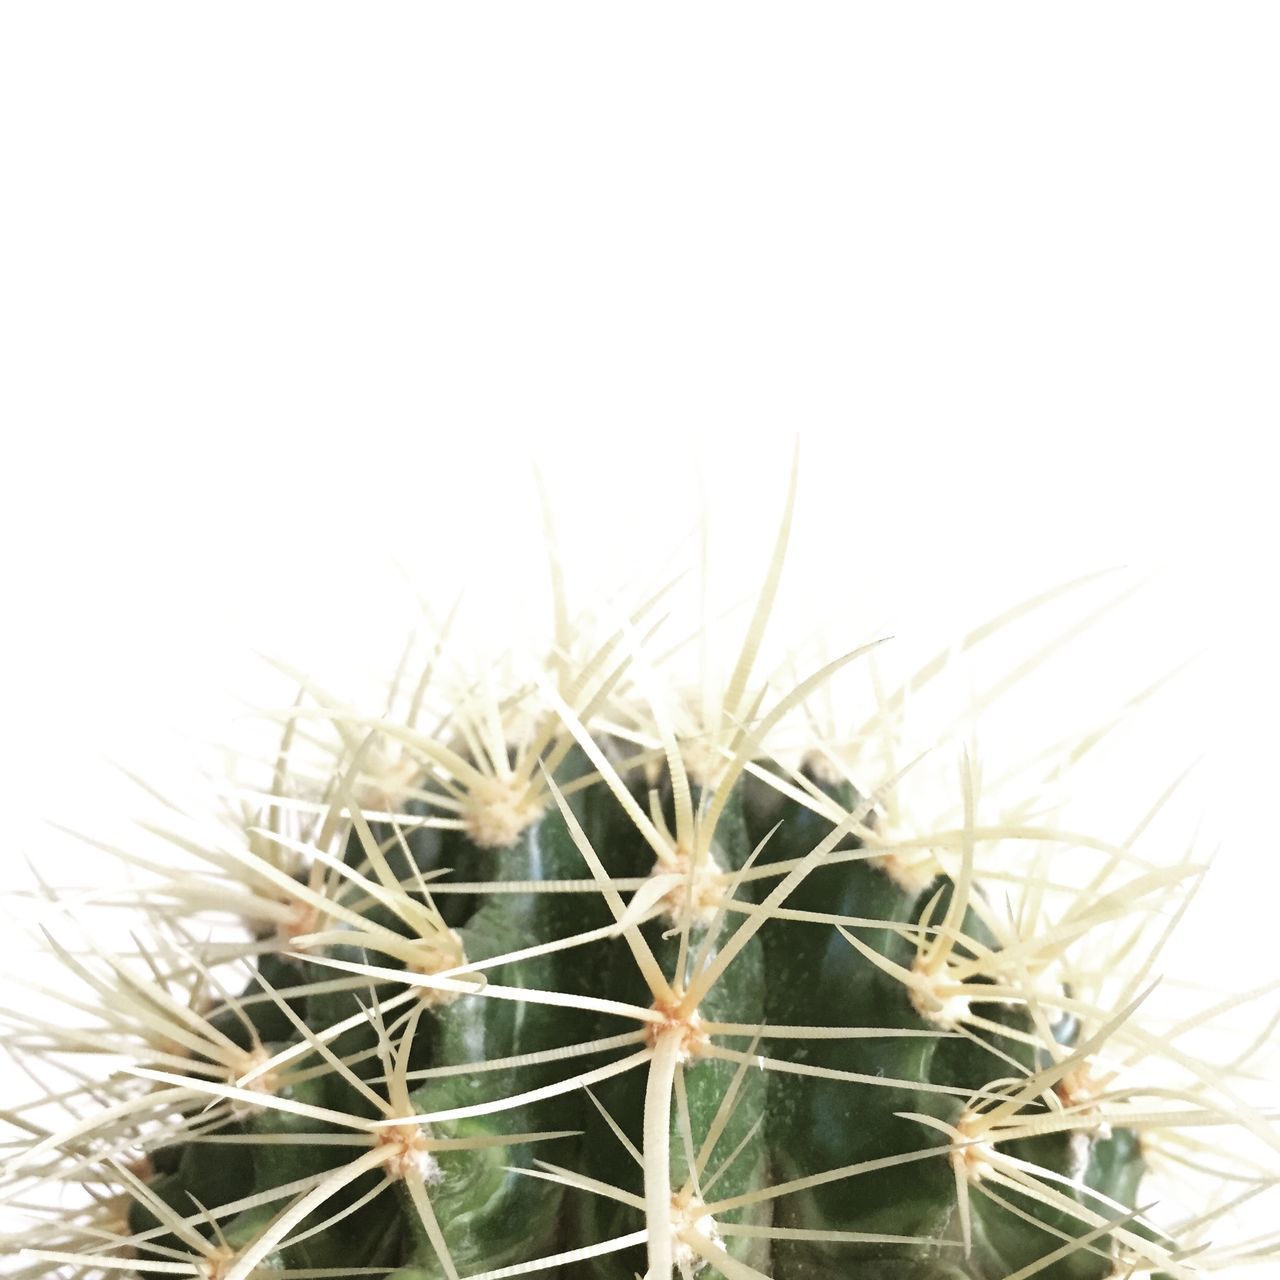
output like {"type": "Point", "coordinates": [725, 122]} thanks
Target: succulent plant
{"type": "Point", "coordinates": [568, 975]}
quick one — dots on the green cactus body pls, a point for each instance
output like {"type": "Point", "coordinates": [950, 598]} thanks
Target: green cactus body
{"type": "Point", "coordinates": [713, 1096]}
{"type": "Point", "coordinates": [772, 1127]}
{"type": "Point", "coordinates": [818, 978]}
{"type": "Point", "coordinates": [491, 1216]}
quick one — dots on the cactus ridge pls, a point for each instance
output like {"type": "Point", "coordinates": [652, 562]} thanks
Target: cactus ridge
{"type": "Point", "coordinates": [585, 982]}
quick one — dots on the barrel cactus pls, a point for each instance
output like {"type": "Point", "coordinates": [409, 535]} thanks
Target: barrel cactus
{"type": "Point", "coordinates": [569, 975]}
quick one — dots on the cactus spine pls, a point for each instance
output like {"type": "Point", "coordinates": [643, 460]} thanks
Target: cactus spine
{"type": "Point", "coordinates": [562, 986]}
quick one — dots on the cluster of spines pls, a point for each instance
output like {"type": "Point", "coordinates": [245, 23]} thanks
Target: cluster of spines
{"type": "Point", "coordinates": [702, 869]}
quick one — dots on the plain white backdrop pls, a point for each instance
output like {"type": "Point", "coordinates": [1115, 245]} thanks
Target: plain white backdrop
{"type": "Point", "coordinates": [291, 293]}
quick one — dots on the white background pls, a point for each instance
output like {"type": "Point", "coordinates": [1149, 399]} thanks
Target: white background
{"type": "Point", "coordinates": [287, 291]}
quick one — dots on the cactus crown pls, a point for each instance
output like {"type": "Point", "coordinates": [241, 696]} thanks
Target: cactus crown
{"type": "Point", "coordinates": [580, 977]}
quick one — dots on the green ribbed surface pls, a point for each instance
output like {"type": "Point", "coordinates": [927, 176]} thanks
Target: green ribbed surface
{"type": "Point", "coordinates": [784, 1126]}
{"type": "Point", "coordinates": [816, 977]}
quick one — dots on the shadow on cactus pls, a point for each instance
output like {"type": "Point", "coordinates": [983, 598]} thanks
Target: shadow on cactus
{"type": "Point", "coordinates": [569, 976]}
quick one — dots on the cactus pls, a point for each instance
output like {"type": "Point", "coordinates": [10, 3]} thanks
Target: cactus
{"type": "Point", "coordinates": [580, 981]}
